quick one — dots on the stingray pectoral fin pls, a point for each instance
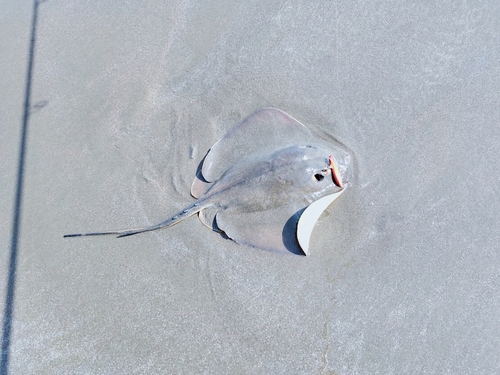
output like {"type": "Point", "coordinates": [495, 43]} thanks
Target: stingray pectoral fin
{"type": "Point", "coordinates": [272, 230]}
{"type": "Point", "coordinates": [264, 131]}
{"type": "Point", "coordinates": [207, 217]}
{"type": "Point", "coordinates": [200, 186]}
{"type": "Point", "coordinates": [309, 217]}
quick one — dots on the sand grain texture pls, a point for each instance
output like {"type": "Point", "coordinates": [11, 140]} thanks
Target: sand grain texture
{"type": "Point", "coordinates": [404, 276]}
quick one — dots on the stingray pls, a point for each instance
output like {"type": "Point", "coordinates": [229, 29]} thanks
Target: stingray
{"type": "Point", "coordinates": [264, 184]}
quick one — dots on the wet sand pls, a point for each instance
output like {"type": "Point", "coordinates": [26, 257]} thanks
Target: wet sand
{"type": "Point", "coordinates": [403, 275]}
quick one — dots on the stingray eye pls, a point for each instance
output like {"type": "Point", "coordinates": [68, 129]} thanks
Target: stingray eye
{"type": "Point", "coordinates": [318, 177]}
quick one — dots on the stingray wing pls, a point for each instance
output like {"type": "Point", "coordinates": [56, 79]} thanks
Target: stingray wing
{"type": "Point", "coordinates": [273, 230]}
{"type": "Point", "coordinates": [266, 130]}
{"type": "Point", "coordinates": [285, 229]}
{"type": "Point", "coordinates": [200, 186]}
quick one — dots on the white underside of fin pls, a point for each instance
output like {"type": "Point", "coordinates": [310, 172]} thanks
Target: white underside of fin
{"type": "Point", "coordinates": [309, 217]}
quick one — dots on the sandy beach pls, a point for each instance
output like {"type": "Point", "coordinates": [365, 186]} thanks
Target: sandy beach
{"type": "Point", "coordinates": [125, 101]}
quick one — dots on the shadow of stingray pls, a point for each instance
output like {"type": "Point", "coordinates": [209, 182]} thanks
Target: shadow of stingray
{"type": "Point", "coordinates": [289, 234]}
{"type": "Point", "coordinates": [199, 175]}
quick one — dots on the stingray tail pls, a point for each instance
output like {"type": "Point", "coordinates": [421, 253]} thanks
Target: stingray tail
{"type": "Point", "coordinates": [188, 211]}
